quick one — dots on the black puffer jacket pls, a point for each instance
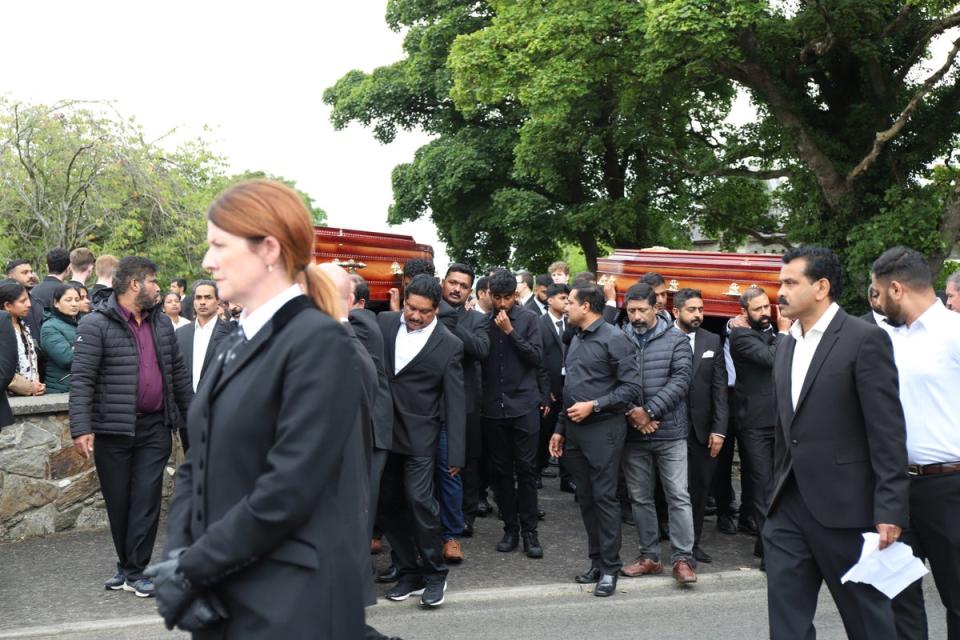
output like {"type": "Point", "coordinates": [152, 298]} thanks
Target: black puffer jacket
{"type": "Point", "coordinates": [103, 376]}
{"type": "Point", "coordinates": [666, 365]}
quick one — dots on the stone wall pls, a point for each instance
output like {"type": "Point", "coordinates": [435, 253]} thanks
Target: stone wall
{"type": "Point", "coordinates": [45, 485]}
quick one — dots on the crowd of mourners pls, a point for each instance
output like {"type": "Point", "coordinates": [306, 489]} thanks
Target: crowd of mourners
{"type": "Point", "coordinates": [471, 392]}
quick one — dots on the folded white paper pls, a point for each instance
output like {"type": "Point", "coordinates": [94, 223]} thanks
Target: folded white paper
{"type": "Point", "coordinates": [890, 571]}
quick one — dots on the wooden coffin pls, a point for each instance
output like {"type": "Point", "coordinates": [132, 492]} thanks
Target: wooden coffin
{"type": "Point", "coordinates": [378, 257]}
{"type": "Point", "coordinates": [720, 277]}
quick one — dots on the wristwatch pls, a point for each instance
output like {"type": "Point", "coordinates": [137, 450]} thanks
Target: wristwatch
{"type": "Point", "coordinates": [596, 406]}
{"type": "Point", "coordinates": [649, 412]}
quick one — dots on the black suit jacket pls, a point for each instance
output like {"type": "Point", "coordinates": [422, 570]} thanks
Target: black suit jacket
{"type": "Point", "coordinates": [869, 317]}
{"type": "Point", "coordinates": [8, 365]}
{"type": "Point", "coordinates": [534, 306]}
{"type": "Point", "coordinates": [708, 387]}
{"type": "Point", "coordinates": [186, 307]}
{"type": "Point", "coordinates": [364, 323]}
{"type": "Point", "coordinates": [753, 353]}
{"type": "Point", "coordinates": [42, 294]}
{"type": "Point", "coordinates": [272, 500]}
{"type": "Point", "coordinates": [426, 392]}
{"type": "Point", "coordinates": [551, 366]}
{"type": "Point", "coordinates": [471, 328]}
{"type": "Point", "coordinates": [846, 441]}
{"type": "Point", "coordinates": [221, 331]}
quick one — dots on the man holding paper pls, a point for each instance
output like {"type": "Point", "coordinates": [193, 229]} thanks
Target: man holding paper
{"type": "Point", "coordinates": [839, 458]}
{"type": "Point", "coordinates": [926, 345]}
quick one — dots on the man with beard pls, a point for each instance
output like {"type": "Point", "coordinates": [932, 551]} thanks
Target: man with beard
{"type": "Point", "coordinates": [129, 389]}
{"type": "Point", "coordinates": [511, 412]}
{"type": "Point", "coordinates": [22, 272]}
{"type": "Point", "coordinates": [538, 301]}
{"type": "Point", "coordinates": [460, 494]}
{"type": "Point", "coordinates": [708, 406]}
{"type": "Point", "coordinates": [875, 315]}
{"type": "Point", "coordinates": [752, 348]}
{"type": "Point", "coordinates": [953, 291]}
{"type": "Point", "coordinates": [926, 347]}
{"type": "Point", "coordinates": [659, 286]}
{"type": "Point", "coordinates": [657, 439]}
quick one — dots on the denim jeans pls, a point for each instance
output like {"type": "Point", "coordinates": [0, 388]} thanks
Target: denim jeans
{"type": "Point", "coordinates": [450, 490]}
{"type": "Point", "coordinates": [640, 463]}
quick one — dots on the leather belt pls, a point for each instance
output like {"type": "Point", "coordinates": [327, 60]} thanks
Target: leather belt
{"type": "Point", "coordinates": [932, 469]}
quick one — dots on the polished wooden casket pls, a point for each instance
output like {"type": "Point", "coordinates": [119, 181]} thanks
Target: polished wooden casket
{"type": "Point", "coordinates": [720, 277]}
{"type": "Point", "coordinates": [378, 257]}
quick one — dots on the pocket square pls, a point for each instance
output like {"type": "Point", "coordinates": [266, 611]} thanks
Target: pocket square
{"type": "Point", "coordinates": [707, 354]}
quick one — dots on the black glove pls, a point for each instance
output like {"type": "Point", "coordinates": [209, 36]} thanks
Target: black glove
{"type": "Point", "coordinates": [204, 611]}
{"type": "Point", "coordinates": [173, 590]}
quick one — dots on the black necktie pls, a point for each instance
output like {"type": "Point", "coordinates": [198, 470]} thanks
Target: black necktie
{"type": "Point", "coordinates": [560, 327]}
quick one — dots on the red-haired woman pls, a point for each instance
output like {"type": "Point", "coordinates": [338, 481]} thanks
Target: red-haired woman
{"type": "Point", "coordinates": [268, 527]}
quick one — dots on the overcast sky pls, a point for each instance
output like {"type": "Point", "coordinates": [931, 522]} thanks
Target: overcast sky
{"type": "Point", "coordinates": [254, 72]}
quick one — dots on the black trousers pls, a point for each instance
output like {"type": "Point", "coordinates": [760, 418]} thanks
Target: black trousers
{"type": "Point", "coordinates": [593, 454]}
{"type": "Point", "coordinates": [722, 480]}
{"type": "Point", "coordinates": [410, 515]}
{"type": "Point", "coordinates": [471, 474]}
{"type": "Point", "coordinates": [700, 470]}
{"type": "Point", "coordinates": [757, 443]}
{"type": "Point", "coordinates": [513, 447]}
{"type": "Point", "coordinates": [548, 424]}
{"type": "Point", "coordinates": [935, 528]}
{"type": "Point", "coordinates": [131, 479]}
{"type": "Point", "coordinates": [801, 554]}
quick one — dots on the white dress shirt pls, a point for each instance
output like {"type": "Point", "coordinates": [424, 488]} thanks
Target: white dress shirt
{"type": "Point", "coordinates": [692, 337]}
{"type": "Point", "coordinates": [201, 340]}
{"type": "Point", "coordinates": [554, 320]}
{"type": "Point", "coordinates": [251, 323]}
{"type": "Point", "coordinates": [807, 344]}
{"type": "Point", "coordinates": [410, 343]}
{"type": "Point", "coordinates": [928, 361]}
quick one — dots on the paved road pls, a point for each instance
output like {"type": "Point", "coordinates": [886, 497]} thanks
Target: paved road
{"type": "Point", "coordinates": [50, 587]}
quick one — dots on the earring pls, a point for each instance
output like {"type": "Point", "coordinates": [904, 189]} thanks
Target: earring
{"type": "Point", "coordinates": [270, 268]}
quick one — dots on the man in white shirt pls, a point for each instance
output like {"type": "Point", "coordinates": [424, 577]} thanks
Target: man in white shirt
{"type": "Point", "coordinates": [199, 339]}
{"type": "Point", "coordinates": [524, 286]}
{"type": "Point", "coordinates": [926, 346]}
{"type": "Point", "coordinates": [840, 455]}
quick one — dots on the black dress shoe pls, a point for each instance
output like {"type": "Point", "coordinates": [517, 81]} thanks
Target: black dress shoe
{"type": "Point", "coordinates": [508, 542]}
{"type": "Point", "coordinates": [606, 585]}
{"type": "Point", "coordinates": [711, 508]}
{"type": "Point", "coordinates": [589, 576]}
{"type": "Point", "coordinates": [748, 525]}
{"type": "Point", "coordinates": [467, 531]}
{"type": "Point", "coordinates": [725, 525]}
{"type": "Point", "coordinates": [541, 514]}
{"type": "Point", "coordinates": [702, 556]}
{"type": "Point", "coordinates": [531, 546]}
{"type": "Point", "coordinates": [568, 486]}
{"type": "Point", "coordinates": [391, 574]}
{"type": "Point", "coordinates": [549, 472]}
{"type": "Point", "coordinates": [483, 508]}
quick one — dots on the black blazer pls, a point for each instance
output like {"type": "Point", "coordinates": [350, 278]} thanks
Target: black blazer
{"type": "Point", "coordinates": [869, 317]}
{"type": "Point", "coordinates": [846, 441]}
{"type": "Point", "coordinates": [364, 323]}
{"type": "Point", "coordinates": [430, 386]}
{"type": "Point", "coordinates": [42, 294]}
{"type": "Point", "coordinates": [752, 353]}
{"type": "Point", "coordinates": [534, 306]}
{"type": "Point", "coordinates": [708, 388]}
{"type": "Point", "coordinates": [551, 366]}
{"type": "Point", "coordinates": [272, 499]}
{"type": "Point", "coordinates": [8, 365]}
{"type": "Point", "coordinates": [221, 330]}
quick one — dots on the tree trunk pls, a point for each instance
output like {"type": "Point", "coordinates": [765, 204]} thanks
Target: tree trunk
{"type": "Point", "coordinates": [591, 250]}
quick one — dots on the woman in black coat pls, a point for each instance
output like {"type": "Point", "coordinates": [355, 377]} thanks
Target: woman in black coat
{"type": "Point", "coordinates": [267, 533]}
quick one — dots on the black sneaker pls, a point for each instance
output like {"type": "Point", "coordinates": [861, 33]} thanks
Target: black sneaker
{"type": "Point", "coordinates": [407, 586]}
{"type": "Point", "coordinates": [142, 588]}
{"type": "Point", "coordinates": [116, 582]}
{"type": "Point", "coordinates": [433, 594]}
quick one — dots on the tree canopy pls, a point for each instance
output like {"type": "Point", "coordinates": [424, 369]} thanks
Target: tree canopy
{"type": "Point", "coordinates": [79, 174]}
{"type": "Point", "coordinates": [559, 121]}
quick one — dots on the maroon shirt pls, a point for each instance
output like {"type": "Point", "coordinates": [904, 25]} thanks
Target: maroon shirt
{"type": "Point", "coordinates": [149, 378]}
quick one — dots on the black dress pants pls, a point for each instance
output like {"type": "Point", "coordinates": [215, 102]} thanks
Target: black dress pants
{"type": "Point", "coordinates": [801, 554]}
{"type": "Point", "coordinates": [757, 443]}
{"type": "Point", "coordinates": [592, 453]}
{"type": "Point", "coordinates": [935, 528]}
{"type": "Point", "coordinates": [410, 515]}
{"type": "Point", "coordinates": [700, 470]}
{"type": "Point", "coordinates": [513, 447]}
{"type": "Point", "coordinates": [471, 473]}
{"type": "Point", "coordinates": [722, 480]}
{"type": "Point", "coordinates": [131, 479]}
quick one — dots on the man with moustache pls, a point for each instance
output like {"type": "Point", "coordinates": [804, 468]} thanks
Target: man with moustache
{"type": "Point", "coordinates": [129, 388]}
{"type": "Point", "coordinates": [708, 407]}
{"type": "Point", "coordinates": [753, 348]}
{"type": "Point", "coordinates": [460, 494]}
{"type": "Point", "coordinates": [22, 272]}
{"type": "Point", "coordinates": [657, 440]}
{"type": "Point", "coordinates": [538, 301]}
{"type": "Point", "coordinates": [841, 462]}
{"type": "Point", "coordinates": [603, 380]}
{"type": "Point", "coordinates": [926, 347]}
{"type": "Point", "coordinates": [659, 286]}
{"type": "Point", "coordinates": [423, 362]}
{"type": "Point", "coordinates": [953, 291]}
{"type": "Point", "coordinates": [875, 315]}
{"type": "Point", "coordinates": [511, 412]}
